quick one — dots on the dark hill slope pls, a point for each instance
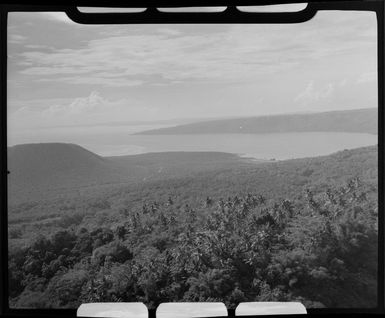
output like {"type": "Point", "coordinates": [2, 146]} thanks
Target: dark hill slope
{"type": "Point", "coordinates": [35, 167]}
{"type": "Point", "coordinates": [275, 180]}
{"type": "Point", "coordinates": [358, 121]}
{"type": "Point", "coordinates": [40, 171]}
{"type": "Point", "coordinates": [170, 164]}
{"type": "Point", "coordinates": [280, 179]}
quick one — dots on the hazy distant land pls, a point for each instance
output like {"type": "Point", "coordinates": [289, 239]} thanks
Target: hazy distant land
{"type": "Point", "coordinates": [358, 121]}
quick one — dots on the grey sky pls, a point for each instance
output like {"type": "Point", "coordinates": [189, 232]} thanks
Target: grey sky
{"type": "Point", "coordinates": [62, 73]}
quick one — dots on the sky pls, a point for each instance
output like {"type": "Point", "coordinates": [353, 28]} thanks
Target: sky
{"type": "Point", "coordinates": [63, 74]}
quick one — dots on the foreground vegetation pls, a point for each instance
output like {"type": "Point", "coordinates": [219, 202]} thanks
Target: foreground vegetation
{"type": "Point", "coordinates": [208, 238]}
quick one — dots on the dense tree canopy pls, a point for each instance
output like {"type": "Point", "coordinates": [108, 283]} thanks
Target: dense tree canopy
{"type": "Point", "coordinates": [319, 247]}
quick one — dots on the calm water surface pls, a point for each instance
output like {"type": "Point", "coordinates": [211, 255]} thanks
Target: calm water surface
{"type": "Point", "coordinates": [267, 146]}
{"type": "Point", "coordinates": [116, 141]}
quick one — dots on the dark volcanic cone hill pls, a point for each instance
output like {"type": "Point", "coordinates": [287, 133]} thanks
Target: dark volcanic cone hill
{"type": "Point", "coordinates": [56, 165]}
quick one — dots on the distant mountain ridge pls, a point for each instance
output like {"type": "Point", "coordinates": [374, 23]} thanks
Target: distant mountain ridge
{"type": "Point", "coordinates": [353, 121]}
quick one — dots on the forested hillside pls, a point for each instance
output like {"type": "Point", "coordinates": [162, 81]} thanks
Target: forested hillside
{"type": "Point", "coordinates": [48, 170]}
{"type": "Point", "coordinates": [303, 229]}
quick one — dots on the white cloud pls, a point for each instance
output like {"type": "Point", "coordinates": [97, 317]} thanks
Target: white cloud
{"type": "Point", "coordinates": [93, 102]}
{"type": "Point", "coordinates": [89, 110]}
{"type": "Point", "coordinates": [169, 54]}
{"type": "Point", "coordinates": [95, 80]}
{"type": "Point", "coordinates": [16, 38]}
{"type": "Point", "coordinates": [126, 60]}
{"type": "Point", "coordinates": [367, 77]}
{"type": "Point", "coordinates": [186, 70]}
{"type": "Point", "coordinates": [37, 46]}
{"type": "Point", "coordinates": [343, 82]}
{"type": "Point", "coordinates": [169, 31]}
{"type": "Point", "coordinates": [311, 94]}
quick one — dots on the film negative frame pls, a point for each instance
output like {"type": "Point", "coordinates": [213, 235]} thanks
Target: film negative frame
{"type": "Point", "coordinates": [154, 16]}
